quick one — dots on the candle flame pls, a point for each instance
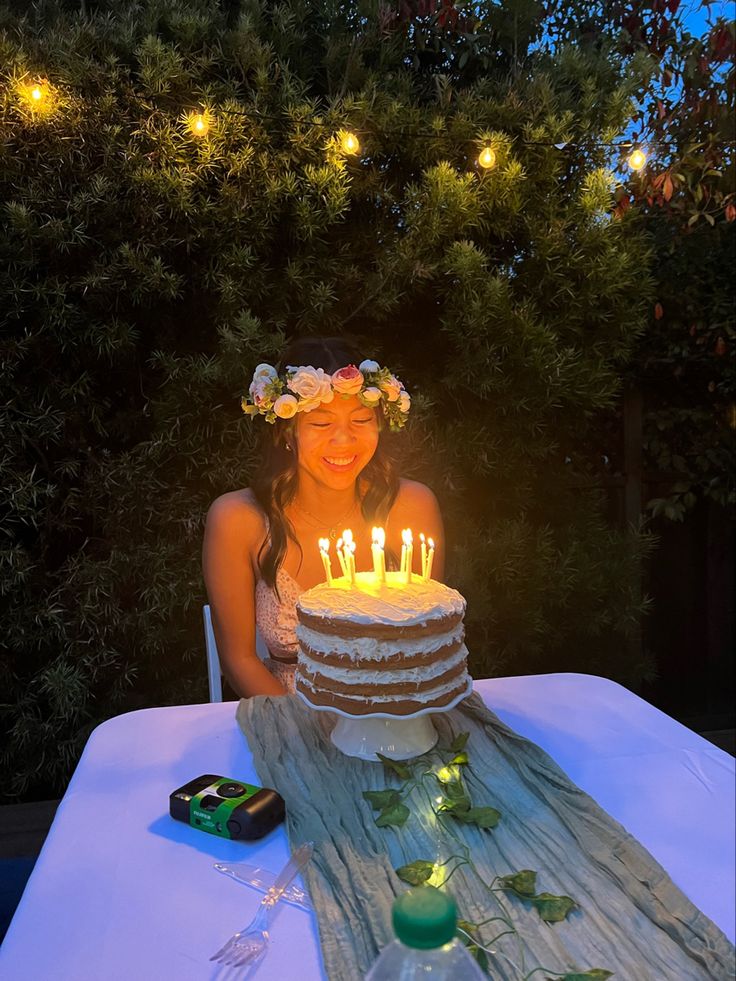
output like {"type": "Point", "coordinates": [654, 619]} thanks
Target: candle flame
{"type": "Point", "coordinates": [379, 537]}
{"type": "Point", "coordinates": [406, 536]}
{"type": "Point", "coordinates": [421, 537]}
{"type": "Point", "coordinates": [324, 544]}
{"type": "Point", "coordinates": [431, 543]}
{"type": "Point", "coordinates": [347, 537]}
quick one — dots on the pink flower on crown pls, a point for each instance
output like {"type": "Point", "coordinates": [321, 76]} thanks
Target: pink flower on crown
{"type": "Point", "coordinates": [392, 387]}
{"type": "Point", "coordinates": [312, 385]}
{"type": "Point", "coordinates": [347, 380]}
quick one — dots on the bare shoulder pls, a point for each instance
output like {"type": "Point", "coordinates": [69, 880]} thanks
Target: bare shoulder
{"type": "Point", "coordinates": [237, 513]}
{"type": "Point", "coordinates": [414, 495]}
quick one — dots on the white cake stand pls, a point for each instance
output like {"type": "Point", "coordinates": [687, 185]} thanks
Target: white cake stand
{"type": "Point", "coordinates": [400, 737]}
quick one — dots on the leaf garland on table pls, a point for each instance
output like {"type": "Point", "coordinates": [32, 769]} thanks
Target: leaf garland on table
{"type": "Point", "coordinates": [392, 804]}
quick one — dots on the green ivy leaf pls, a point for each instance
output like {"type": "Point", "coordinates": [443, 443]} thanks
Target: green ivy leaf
{"type": "Point", "coordinates": [461, 758]}
{"type": "Point", "coordinates": [394, 814]}
{"type": "Point", "coordinates": [459, 742]}
{"type": "Point", "coordinates": [400, 769]}
{"type": "Point", "coordinates": [552, 909]}
{"type": "Point", "coordinates": [455, 807]}
{"type": "Point", "coordinates": [596, 974]}
{"type": "Point", "coordinates": [415, 873]}
{"type": "Point", "coordinates": [523, 883]}
{"type": "Point", "coordinates": [381, 798]}
{"type": "Point", "coordinates": [484, 817]}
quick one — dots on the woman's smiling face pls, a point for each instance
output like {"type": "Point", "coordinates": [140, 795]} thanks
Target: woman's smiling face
{"type": "Point", "coordinates": [336, 441]}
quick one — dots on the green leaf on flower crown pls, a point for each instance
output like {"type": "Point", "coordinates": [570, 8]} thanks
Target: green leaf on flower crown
{"type": "Point", "coordinates": [552, 909]}
{"type": "Point", "coordinates": [461, 758]}
{"type": "Point", "coordinates": [400, 769]}
{"type": "Point", "coordinates": [381, 798]}
{"type": "Point", "coordinates": [415, 873]}
{"type": "Point", "coordinates": [595, 974]}
{"type": "Point", "coordinates": [524, 883]}
{"type": "Point", "coordinates": [394, 814]}
{"type": "Point", "coordinates": [459, 742]}
{"type": "Point", "coordinates": [484, 817]}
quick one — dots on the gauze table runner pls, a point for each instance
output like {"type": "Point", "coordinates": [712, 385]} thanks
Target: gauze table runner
{"type": "Point", "coordinates": [631, 918]}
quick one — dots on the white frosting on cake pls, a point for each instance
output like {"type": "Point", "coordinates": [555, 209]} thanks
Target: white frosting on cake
{"type": "Point", "coordinates": [366, 676]}
{"type": "Point", "coordinates": [396, 603]}
{"type": "Point", "coordinates": [370, 648]}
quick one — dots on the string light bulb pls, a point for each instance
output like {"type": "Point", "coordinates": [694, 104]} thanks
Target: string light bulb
{"type": "Point", "coordinates": [487, 158]}
{"type": "Point", "coordinates": [198, 123]}
{"type": "Point", "coordinates": [349, 142]}
{"type": "Point", "coordinates": [637, 160]}
{"type": "Point", "coordinates": [38, 96]}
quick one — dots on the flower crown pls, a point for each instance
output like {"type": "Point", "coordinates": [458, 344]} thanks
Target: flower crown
{"type": "Point", "coordinates": [306, 388]}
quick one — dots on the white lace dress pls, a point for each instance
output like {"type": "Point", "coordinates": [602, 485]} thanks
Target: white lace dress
{"type": "Point", "coordinates": [277, 623]}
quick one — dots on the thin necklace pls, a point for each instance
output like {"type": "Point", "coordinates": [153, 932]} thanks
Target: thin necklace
{"type": "Point", "coordinates": [332, 531]}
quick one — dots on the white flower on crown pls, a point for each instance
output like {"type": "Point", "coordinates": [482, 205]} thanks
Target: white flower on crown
{"type": "Point", "coordinates": [285, 406]}
{"type": "Point", "coordinates": [369, 366]}
{"type": "Point", "coordinates": [257, 390]}
{"type": "Point", "coordinates": [311, 385]}
{"type": "Point", "coordinates": [265, 371]}
{"type": "Point", "coordinates": [347, 381]}
{"type": "Point", "coordinates": [404, 400]}
{"type": "Point", "coordinates": [392, 387]}
{"type": "Point", "coordinates": [372, 395]}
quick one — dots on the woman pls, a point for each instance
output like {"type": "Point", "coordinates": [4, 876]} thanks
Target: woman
{"type": "Point", "coordinates": [323, 468]}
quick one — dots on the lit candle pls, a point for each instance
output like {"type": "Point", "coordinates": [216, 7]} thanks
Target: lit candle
{"type": "Point", "coordinates": [407, 552]}
{"type": "Point", "coordinates": [324, 547]}
{"type": "Point", "coordinates": [430, 558]}
{"type": "Point", "coordinates": [347, 537]}
{"type": "Point", "coordinates": [341, 557]}
{"type": "Point", "coordinates": [424, 556]}
{"type": "Point", "coordinates": [379, 557]}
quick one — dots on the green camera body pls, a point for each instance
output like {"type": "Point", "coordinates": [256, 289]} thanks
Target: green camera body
{"type": "Point", "coordinates": [227, 808]}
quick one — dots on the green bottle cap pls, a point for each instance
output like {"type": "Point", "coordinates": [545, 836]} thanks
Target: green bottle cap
{"type": "Point", "coordinates": [424, 918]}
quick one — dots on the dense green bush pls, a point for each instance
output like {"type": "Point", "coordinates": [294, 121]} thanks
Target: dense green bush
{"type": "Point", "coordinates": [145, 270]}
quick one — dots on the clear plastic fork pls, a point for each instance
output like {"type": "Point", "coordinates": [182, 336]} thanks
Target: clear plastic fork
{"type": "Point", "coordinates": [250, 944]}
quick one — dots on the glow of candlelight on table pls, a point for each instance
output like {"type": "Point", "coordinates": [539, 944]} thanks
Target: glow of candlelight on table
{"type": "Point", "coordinates": [324, 551]}
{"type": "Point", "coordinates": [430, 560]}
{"type": "Point", "coordinates": [379, 556]}
{"type": "Point", "coordinates": [349, 552]}
{"type": "Point", "coordinates": [407, 553]}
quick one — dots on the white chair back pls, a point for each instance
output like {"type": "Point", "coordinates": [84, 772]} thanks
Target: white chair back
{"type": "Point", "coordinates": [214, 674]}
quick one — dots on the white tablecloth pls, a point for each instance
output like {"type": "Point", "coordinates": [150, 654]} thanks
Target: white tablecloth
{"type": "Point", "coordinates": [121, 891]}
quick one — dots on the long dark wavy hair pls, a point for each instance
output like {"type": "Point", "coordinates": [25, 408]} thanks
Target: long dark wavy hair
{"type": "Point", "coordinates": [275, 482]}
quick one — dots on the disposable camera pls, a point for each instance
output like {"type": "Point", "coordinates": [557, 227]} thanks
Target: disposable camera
{"type": "Point", "coordinates": [228, 808]}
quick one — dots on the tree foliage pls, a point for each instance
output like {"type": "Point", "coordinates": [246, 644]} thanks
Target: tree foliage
{"type": "Point", "coordinates": [145, 269]}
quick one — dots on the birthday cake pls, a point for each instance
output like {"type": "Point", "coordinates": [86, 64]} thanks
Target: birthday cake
{"type": "Point", "coordinates": [393, 647]}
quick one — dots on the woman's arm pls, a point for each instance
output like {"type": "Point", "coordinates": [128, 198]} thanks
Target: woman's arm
{"type": "Point", "coordinates": [232, 533]}
{"type": "Point", "coordinates": [416, 507]}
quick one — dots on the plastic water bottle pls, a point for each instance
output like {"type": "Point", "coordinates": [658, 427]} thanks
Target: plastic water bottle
{"type": "Point", "coordinates": [425, 921]}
